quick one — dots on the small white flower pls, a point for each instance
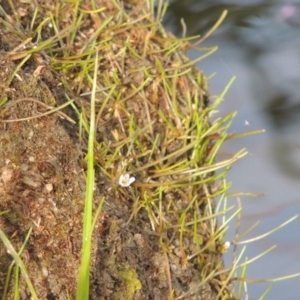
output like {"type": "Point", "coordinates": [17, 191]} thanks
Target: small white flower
{"type": "Point", "coordinates": [126, 180]}
{"type": "Point", "coordinates": [226, 246]}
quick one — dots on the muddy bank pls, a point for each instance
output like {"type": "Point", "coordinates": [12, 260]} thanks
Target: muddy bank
{"type": "Point", "coordinates": [156, 239]}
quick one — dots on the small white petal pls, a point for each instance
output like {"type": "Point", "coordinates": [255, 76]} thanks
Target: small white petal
{"type": "Point", "coordinates": [131, 180]}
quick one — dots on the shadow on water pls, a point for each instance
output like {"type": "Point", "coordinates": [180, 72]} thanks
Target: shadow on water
{"type": "Point", "coordinates": [259, 41]}
{"type": "Point", "coordinates": [256, 30]}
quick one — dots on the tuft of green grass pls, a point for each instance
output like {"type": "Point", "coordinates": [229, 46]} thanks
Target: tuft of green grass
{"type": "Point", "coordinates": [20, 267]}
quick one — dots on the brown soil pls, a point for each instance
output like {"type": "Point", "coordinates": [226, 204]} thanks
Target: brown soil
{"type": "Point", "coordinates": [42, 165]}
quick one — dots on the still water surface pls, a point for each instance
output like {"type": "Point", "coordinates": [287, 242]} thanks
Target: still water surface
{"type": "Point", "coordinates": [259, 42]}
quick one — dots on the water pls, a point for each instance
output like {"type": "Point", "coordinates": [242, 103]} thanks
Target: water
{"type": "Point", "coordinates": [259, 43]}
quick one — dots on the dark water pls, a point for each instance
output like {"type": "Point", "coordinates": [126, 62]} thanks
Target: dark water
{"type": "Point", "coordinates": [259, 42]}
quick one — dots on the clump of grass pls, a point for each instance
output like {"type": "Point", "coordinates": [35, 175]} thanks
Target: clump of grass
{"type": "Point", "coordinates": [143, 110]}
{"type": "Point", "coordinates": [169, 152]}
{"type": "Point", "coordinates": [240, 263]}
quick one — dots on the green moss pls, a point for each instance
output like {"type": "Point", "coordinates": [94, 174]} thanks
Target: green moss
{"type": "Point", "coordinates": [130, 283]}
